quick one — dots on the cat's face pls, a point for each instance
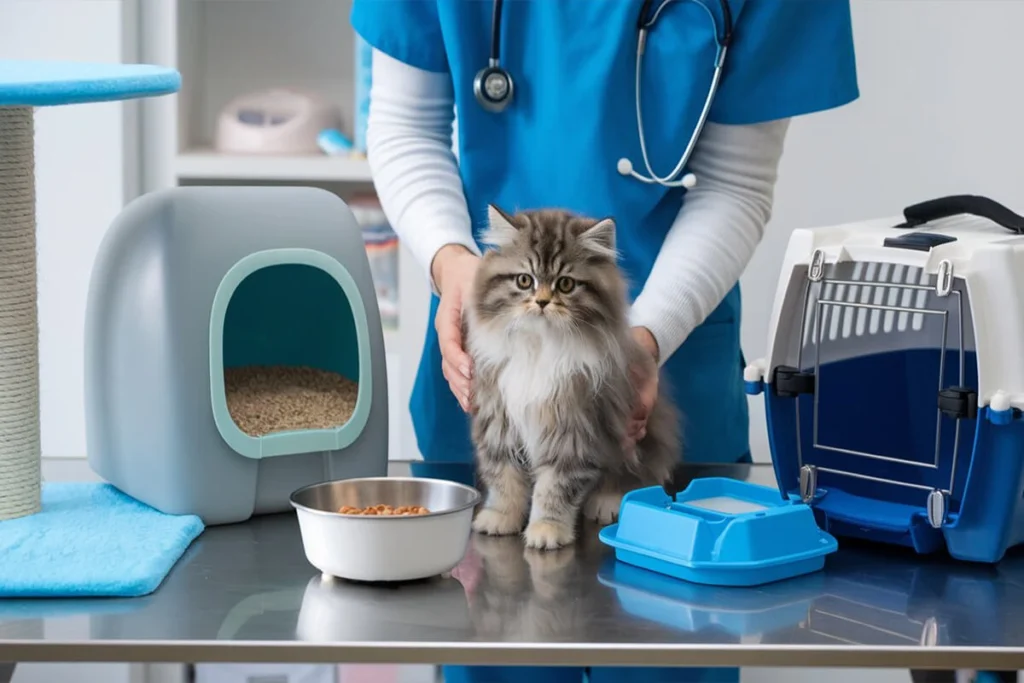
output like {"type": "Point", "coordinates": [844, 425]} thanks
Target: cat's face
{"type": "Point", "coordinates": [550, 269]}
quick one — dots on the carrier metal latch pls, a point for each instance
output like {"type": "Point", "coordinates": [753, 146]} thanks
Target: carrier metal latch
{"type": "Point", "coordinates": [936, 508]}
{"type": "Point", "coordinates": [790, 382]}
{"type": "Point", "coordinates": [808, 482]}
{"type": "Point", "coordinates": [816, 271]}
{"type": "Point", "coordinates": [944, 278]}
{"type": "Point", "coordinates": [959, 403]}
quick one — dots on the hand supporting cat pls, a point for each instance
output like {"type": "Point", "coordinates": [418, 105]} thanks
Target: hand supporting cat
{"type": "Point", "coordinates": [553, 395]}
{"type": "Point", "coordinates": [453, 269]}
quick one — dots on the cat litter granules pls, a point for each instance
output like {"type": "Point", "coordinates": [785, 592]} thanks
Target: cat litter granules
{"type": "Point", "coordinates": [266, 399]}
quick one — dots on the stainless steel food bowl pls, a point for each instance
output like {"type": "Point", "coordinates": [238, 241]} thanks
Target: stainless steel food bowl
{"type": "Point", "coordinates": [385, 548]}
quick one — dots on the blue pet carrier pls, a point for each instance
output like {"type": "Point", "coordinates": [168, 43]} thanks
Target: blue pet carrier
{"type": "Point", "coordinates": [894, 378]}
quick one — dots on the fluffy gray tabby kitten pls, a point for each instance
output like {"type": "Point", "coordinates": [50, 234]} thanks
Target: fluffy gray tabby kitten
{"type": "Point", "coordinates": [547, 329]}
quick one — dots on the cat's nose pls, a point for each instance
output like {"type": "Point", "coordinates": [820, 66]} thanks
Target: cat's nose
{"type": "Point", "coordinates": [543, 302]}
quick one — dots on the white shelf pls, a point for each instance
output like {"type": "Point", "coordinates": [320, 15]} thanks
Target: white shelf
{"type": "Point", "coordinates": [206, 164]}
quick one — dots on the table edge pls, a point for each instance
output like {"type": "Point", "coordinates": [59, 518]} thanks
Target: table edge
{"type": "Point", "coordinates": [591, 654]}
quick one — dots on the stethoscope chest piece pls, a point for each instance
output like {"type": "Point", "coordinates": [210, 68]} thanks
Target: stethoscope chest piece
{"type": "Point", "coordinates": [493, 88]}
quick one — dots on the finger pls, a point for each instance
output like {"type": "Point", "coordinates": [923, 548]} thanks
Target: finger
{"type": "Point", "coordinates": [459, 383]}
{"type": "Point", "coordinates": [463, 403]}
{"type": "Point", "coordinates": [650, 396]}
{"type": "Point", "coordinates": [449, 338]}
{"type": "Point", "coordinates": [453, 353]}
{"type": "Point", "coordinates": [454, 380]}
{"type": "Point", "coordinates": [452, 320]}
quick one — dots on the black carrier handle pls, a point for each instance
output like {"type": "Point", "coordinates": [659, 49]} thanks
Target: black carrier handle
{"type": "Point", "coordinates": [957, 204]}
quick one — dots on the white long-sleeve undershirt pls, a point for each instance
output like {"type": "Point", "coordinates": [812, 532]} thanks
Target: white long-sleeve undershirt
{"type": "Point", "coordinates": [710, 243]}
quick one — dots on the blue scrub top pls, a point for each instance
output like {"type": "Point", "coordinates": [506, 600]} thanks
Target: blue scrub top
{"type": "Point", "coordinates": [573, 117]}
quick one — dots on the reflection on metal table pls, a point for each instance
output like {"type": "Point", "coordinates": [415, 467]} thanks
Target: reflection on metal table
{"type": "Point", "coordinates": [245, 593]}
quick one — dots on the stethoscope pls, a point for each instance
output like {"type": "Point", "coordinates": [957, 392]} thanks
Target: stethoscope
{"type": "Point", "coordinates": [493, 86]}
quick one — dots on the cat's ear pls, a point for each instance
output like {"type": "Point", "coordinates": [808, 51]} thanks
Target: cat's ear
{"type": "Point", "coordinates": [600, 238]}
{"type": "Point", "coordinates": [501, 229]}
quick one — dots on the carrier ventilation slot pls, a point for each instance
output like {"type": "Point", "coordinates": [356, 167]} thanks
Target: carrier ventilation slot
{"type": "Point", "coordinates": [875, 285]}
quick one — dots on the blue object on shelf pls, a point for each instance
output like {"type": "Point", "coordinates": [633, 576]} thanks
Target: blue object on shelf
{"type": "Point", "coordinates": [719, 531]}
{"type": "Point", "coordinates": [333, 142]}
{"type": "Point", "coordinates": [91, 540]}
{"type": "Point", "coordinates": [25, 83]}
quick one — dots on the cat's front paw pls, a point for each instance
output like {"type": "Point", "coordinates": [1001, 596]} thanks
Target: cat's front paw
{"type": "Point", "coordinates": [495, 523]}
{"type": "Point", "coordinates": [546, 534]}
{"type": "Point", "coordinates": [603, 507]}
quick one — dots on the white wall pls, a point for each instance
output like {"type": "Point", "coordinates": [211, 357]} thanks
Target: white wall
{"type": "Point", "coordinates": [940, 113]}
{"type": "Point", "coordinates": [81, 183]}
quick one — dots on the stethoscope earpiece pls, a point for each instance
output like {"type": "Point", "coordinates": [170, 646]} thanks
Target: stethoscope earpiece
{"type": "Point", "coordinates": [625, 167]}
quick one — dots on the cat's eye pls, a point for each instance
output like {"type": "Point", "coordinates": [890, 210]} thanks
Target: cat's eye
{"type": "Point", "coordinates": [524, 281]}
{"type": "Point", "coordinates": [565, 284]}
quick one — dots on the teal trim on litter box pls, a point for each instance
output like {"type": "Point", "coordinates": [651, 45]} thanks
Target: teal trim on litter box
{"type": "Point", "coordinates": [298, 441]}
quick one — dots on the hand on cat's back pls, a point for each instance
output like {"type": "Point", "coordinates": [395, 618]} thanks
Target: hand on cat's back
{"type": "Point", "coordinates": [645, 381]}
{"type": "Point", "coordinates": [453, 269]}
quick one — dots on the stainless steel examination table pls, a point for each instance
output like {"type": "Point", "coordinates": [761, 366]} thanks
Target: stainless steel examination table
{"type": "Point", "coordinates": [245, 593]}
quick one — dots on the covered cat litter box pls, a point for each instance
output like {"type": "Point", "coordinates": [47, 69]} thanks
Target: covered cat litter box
{"type": "Point", "coordinates": [234, 351]}
{"type": "Point", "coordinates": [894, 377]}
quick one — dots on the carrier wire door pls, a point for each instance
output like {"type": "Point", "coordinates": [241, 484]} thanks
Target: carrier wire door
{"type": "Point", "coordinates": [886, 363]}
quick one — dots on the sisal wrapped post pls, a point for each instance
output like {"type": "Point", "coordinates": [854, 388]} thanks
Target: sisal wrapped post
{"type": "Point", "coordinates": [20, 488]}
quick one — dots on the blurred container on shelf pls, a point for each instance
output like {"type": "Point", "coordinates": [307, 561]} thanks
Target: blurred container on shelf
{"type": "Point", "coordinates": [382, 250]}
{"type": "Point", "coordinates": [275, 121]}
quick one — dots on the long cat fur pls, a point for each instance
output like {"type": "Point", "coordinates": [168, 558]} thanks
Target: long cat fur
{"type": "Point", "coordinates": [552, 394]}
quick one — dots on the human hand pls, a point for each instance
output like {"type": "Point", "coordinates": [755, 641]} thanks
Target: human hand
{"type": "Point", "coordinates": [453, 269]}
{"type": "Point", "coordinates": [644, 375]}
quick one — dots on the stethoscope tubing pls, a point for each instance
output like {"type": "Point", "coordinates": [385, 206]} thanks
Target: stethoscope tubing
{"type": "Point", "coordinates": [644, 26]}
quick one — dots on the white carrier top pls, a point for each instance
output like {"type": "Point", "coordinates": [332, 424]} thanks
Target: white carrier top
{"type": "Point", "coordinates": [958, 243]}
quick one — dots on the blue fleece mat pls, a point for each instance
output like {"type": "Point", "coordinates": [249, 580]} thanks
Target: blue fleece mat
{"type": "Point", "coordinates": [91, 540]}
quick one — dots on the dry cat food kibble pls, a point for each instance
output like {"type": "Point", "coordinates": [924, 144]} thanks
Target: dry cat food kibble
{"type": "Point", "coordinates": [385, 510]}
{"type": "Point", "coordinates": [266, 399]}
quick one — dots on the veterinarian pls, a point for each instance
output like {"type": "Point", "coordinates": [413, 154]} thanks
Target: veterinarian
{"type": "Point", "coordinates": [546, 95]}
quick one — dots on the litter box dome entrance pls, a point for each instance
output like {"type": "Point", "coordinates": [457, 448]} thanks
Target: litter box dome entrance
{"type": "Point", "coordinates": [289, 355]}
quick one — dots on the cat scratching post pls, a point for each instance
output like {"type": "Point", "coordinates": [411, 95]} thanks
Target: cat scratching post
{"type": "Point", "coordinates": [19, 349]}
{"type": "Point", "coordinates": [23, 86]}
